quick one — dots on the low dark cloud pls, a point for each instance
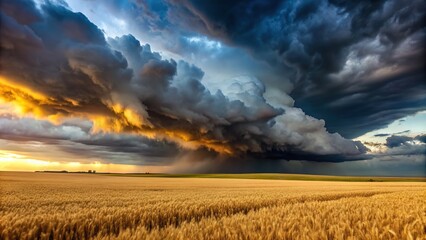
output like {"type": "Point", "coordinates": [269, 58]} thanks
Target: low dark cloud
{"type": "Point", "coordinates": [405, 158]}
{"type": "Point", "coordinates": [405, 131]}
{"type": "Point", "coordinates": [396, 141]}
{"type": "Point", "coordinates": [404, 145]}
{"type": "Point", "coordinates": [379, 165]}
{"type": "Point", "coordinates": [421, 138]}
{"type": "Point", "coordinates": [388, 134]}
{"type": "Point", "coordinates": [382, 135]}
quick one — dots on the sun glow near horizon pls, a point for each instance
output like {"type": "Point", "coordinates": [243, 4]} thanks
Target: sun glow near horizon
{"type": "Point", "coordinates": [10, 161]}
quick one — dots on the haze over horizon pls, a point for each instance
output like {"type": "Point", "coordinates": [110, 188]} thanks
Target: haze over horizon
{"type": "Point", "coordinates": [184, 86]}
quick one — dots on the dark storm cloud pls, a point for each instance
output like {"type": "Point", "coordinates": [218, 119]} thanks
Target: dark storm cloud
{"type": "Point", "coordinates": [58, 65]}
{"type": "Point", "coordinates": [407, 158]}
{"type": "Point", "coordinates": [396, 141]}
{"type": "Point", "coordinates": [122, 149]}
{"type": "Point", "coordinates": [405, 146]}
{"type": "Point", "coordinates": [406, 131]}
{"type": "Point", "coordinates": [358, 65]}
{"type": "Point", "coordinates": [289, 155]}
{"type": "Point", "coordinates": [382, 135]}
{"type": "Point", "coordinates": [132, 144]}
{"type": "Point", "coordinates": [388, 134]}
{"type": "Point", "coordinates": [241, 117]}
{"type": "Point", "coordinates": [380, 165]}
{"type": "Point", "coordinates": [421, 138]}
{"type": "Point", "coordinates": [348, 61]}
{"type": "Point", "coordinates": [61, 55]}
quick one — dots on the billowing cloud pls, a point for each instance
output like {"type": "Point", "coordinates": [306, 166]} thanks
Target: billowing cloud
{"type": "Point", "coordinates": [404, 145]}
{"type": "Point", "coordinates": [396, 141]}
{"type": "Point", "coordinates": [421, 138]}
{"type": "Point", "coordinates": [359, 66]}
{"type": "Point", "coordinates": [57, 65]}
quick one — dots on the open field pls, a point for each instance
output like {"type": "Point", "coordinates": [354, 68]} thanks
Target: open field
{"type": "Point", "coordinates": [277, 176]}
{"type": "Point", "coordinates": [80, 206]}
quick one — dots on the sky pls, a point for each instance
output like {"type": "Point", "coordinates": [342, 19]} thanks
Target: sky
{"type": "Point", "coordinates": [321, 87]}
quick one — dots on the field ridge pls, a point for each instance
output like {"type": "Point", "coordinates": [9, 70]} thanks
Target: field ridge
{"type": "Point", "coordinates": [258, 218]}
{"type": "Point", "coordinates": [296, 200]}
{"type": "Point", "coordinates": [274, 176]}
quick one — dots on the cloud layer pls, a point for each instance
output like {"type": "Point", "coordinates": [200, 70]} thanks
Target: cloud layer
{"type": "Point", "coordinates": [56, 64]}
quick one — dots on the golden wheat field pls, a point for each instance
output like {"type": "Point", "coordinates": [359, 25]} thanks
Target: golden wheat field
{"type": "Point", "coordinates": [83, 206]}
